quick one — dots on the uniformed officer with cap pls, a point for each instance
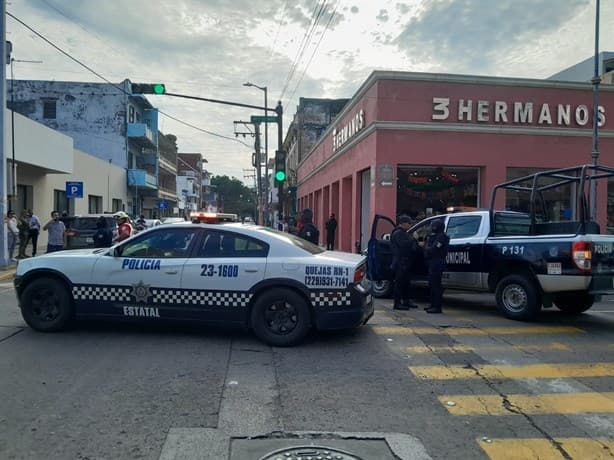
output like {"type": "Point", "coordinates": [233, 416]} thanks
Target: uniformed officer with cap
{"type": "Point", "coordinates": [435, 252]}
{"type": "Point", "coordinates": [404, 249]}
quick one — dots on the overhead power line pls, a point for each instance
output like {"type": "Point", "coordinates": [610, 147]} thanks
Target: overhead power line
{"type": "Point", "coordinates": [330, 19]}
{"type": "Point", "coordinates": [119, 88]}
{"type": "Point", "coordinates": [317, 14]}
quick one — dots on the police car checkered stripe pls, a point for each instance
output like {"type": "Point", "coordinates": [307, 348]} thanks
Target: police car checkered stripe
{"type": "Point", "coordinates": [163, 296]}
{"type": "Point", "coordinates": [215, 298]}
{"type": "Point", "coordinates": [330, 299]}
{"type": "Point", "coordinates": [105, 293]}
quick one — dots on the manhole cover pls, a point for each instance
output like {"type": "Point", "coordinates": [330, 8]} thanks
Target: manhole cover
{"type": "Point", "coordinates": [309, 453]}
{"type": "Point", "coordinates": [310, 448]}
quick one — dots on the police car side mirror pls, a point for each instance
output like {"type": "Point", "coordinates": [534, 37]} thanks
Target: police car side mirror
{"type": "Point", "coordinates": [386, 237]}
{"type": "Point", "coordinates": [117, 252]}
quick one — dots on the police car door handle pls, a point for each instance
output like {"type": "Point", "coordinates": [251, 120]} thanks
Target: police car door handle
{"type": "Point", "coordinates": [171, 272]}
{"type": "Point", "coordinates": [251, 270]}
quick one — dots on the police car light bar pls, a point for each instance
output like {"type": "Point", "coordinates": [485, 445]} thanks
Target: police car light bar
{"type": "Point", "coordinates": [213, 217]}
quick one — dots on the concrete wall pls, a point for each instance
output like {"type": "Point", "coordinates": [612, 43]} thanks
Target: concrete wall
{"type": "Point", "coordinates": [37, 145]}
{"type": "Point", "coordinates": [93, 114]}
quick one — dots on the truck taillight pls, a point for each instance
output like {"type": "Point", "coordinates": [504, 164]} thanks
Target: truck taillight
{"type": "Point", "coordinates": [582, 254]}
{"type": "Point", "coordinates": [359, 274]}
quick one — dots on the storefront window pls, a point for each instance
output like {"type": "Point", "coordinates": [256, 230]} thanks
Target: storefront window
{"type": "Point", "coordinates": [426, 191]}
{"type": "Point", "coordinates": [553, 205]}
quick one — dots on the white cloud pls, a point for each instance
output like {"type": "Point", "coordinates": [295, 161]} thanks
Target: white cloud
{"type": "Point", "coordinates": [210, 48]}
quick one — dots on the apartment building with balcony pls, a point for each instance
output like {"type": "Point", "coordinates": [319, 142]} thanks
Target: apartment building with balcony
{"type": "Point", "coordinates": [105, 121]}
{"type": "Point", "coordinates": [191, 180]}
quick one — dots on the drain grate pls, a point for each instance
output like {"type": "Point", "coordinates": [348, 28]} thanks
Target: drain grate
{"type": "Point", "coordinates": [310, 453]}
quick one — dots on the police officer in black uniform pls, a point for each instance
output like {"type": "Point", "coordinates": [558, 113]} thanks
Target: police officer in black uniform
{"type": "Point", "coordinates": [435, 252]}
{"type": "Point", "coordinates": [404, 249]}
{"type": "Point", "coordinates": [309, 231]}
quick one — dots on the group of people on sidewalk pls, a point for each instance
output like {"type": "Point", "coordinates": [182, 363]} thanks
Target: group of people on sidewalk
{"type": "Point", "coordinates": [25, 230]}
{"type": "Point", "coordinates": [405, 249]}
{"type": "Point", "coordinates": [22, 231]}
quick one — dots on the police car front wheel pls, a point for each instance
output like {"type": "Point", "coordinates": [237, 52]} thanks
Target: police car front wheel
{"type": "Point", "coordinates": [280, 317]}
{"type": "Point", "coordinates": [46, 305]}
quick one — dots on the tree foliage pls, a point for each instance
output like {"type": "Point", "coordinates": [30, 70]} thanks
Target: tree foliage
{"type": "Point", "coordinates": [233, 196]}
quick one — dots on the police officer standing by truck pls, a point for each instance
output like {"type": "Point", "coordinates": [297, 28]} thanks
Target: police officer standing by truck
{"type": "Point", "coordinates": [404, 249]}
{"type": "Point", "coordinates": [435, 252]}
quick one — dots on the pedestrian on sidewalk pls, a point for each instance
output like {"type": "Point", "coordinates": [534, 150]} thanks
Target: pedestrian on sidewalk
{"type": "Point", "coordinates": [435, 252]}
{"type": "Point", "coordinates": [404, 251]}
{"type": "Point", "coordinates": [331, 228]}
{"type": "Point", "coordinates": [57, 233]}
{"type": "Point", "coordinates": [12, 233]}
{"type": "Point", "coordinates": [24, 228]}
{"type": "Point", "coordinates": [35, 228]}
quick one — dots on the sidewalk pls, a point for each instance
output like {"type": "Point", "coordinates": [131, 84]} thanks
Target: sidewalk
{"type": "Point", "coordinates": [7, 273]}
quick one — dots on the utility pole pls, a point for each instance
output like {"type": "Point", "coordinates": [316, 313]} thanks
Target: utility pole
{"type": "Point", "coordinates": [595, 153]}
{"type": "Point", "coordinates": [256, 163]}
{"type": "Point", "coordinates": [251, 174]}
{"type": "Point", "coordinates": [3, 248]}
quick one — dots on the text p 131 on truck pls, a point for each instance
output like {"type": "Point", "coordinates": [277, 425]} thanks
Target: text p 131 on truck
{"type": "Point", "coordinates": [543, 249]}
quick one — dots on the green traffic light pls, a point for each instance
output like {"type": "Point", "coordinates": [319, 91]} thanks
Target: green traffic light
{"type": "Point", "coordinates": [158, 88]}
{"type": "Point", "coordinates": [280, 176]}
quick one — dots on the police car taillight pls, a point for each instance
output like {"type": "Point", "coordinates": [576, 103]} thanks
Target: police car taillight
{"type": "Point", "coordinates": [359, 274]}
{"type": "Point", "coordinates": [582, 255]}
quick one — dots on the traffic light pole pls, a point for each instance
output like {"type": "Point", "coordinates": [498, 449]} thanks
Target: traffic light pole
{"type": "Point", "coordinates": [278, 110]}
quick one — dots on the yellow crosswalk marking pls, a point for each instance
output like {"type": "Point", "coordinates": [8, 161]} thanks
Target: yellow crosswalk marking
{"type": "Point", "coordinates": [559, 403]}
{"type": "Point", "coordinates": [554, 346]}
{"type": "Point", "coordinates": [540, 449]}
{"type": "Point", "coordinates": [531, 371]}
{"type": "Point", "coordinates": [505, 330]}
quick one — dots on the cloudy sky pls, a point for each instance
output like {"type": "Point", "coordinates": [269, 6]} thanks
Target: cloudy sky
{"type": "Point", "coordinates": [296, 48]}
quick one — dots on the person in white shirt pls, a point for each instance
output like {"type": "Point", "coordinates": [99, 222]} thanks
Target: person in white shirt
{"type": "Point", "coordinates": [12, 233]}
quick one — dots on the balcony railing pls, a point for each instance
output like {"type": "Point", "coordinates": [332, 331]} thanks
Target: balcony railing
{"type": "Point", "coordinates": [167, 165]}
{"type": "Point", "coordinates": [141, 135]}
{"type": "Point", "coordinates": [141, 178]}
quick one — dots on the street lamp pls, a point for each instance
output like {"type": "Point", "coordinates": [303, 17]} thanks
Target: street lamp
{"type": "Point", "coordinates": [266, 144]}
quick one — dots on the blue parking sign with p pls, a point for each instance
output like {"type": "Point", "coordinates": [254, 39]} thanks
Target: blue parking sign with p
{"type": "Point", "coordinates": [74, 189]}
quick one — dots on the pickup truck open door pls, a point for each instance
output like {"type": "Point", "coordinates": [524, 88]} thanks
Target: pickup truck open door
{"type": "Point", "coordinates": [379, 252]}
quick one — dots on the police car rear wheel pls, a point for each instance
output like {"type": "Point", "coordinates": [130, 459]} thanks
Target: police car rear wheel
{"type": "Point", "coordinates": [574, 303]}
{"type": "Point", "coordinates": [517, 298]}
{"type": "Point", "coordinates": [46, 305]}
{"type": "Point", "coordinates": [381, 289]}
{"type": "Point", "coordinates": [280, 317]}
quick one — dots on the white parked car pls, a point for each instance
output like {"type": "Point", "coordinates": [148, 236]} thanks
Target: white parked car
{"type": "Point", "coordinates": [274, 283]}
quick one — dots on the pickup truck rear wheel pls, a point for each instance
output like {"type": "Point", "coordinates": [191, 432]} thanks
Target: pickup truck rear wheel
{"type": "Point", "coordinates": [517, 298]}
{"type": "Point", "coordinates": [574, 303]}
{"type": "Point", "coordinates": [381, 289]}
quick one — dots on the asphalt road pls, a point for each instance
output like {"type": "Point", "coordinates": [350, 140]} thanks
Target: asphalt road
{"type": "Point", "coordinates": [463, 385]}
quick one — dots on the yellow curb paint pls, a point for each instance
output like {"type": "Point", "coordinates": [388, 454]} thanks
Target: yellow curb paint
{"type": "Point", "coordinates": [531, 371]}
{"type": "Point", "coordinates": [554, 346]}
{"type": "Point", "coordinates": [559, 403]}
{"type": "Point", "coordinates": [511, 330]}
{"type": "Point", "coordinates": [540, 449]}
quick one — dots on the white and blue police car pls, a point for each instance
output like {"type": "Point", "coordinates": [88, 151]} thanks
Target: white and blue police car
{"type": "Point", "coordinates": [273, 283]}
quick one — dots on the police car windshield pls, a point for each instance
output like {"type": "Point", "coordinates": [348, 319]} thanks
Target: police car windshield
{"type": "Point", "coordinates": [296, 241]}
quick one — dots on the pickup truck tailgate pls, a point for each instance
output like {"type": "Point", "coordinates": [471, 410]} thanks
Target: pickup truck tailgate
{"type": "Point", "coordinates": [602, 264]}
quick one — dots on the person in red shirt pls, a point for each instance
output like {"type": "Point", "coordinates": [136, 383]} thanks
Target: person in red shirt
{"type": "Point", "coordinates": [125, 229]}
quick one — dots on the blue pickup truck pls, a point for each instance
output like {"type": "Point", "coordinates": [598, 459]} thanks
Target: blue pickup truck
{"type": "Point", "coordinates": [548, 253]}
